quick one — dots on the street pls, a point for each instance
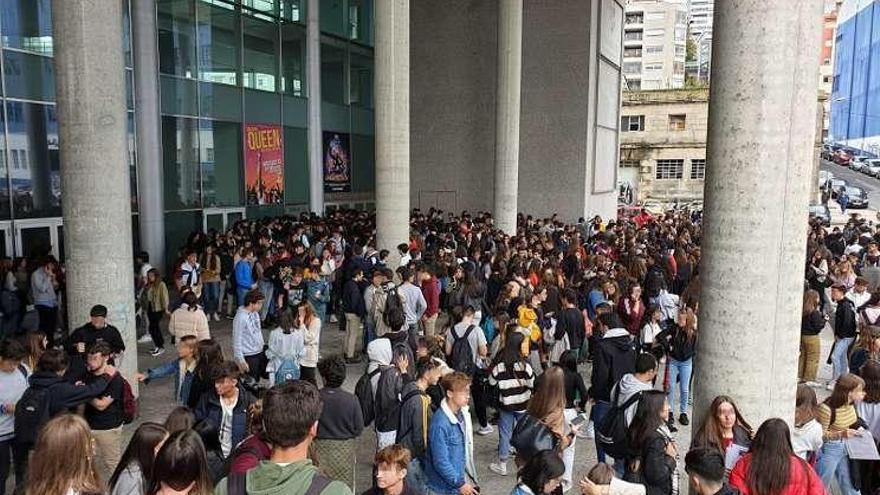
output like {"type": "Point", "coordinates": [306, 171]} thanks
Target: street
{"type": "Point", "coordinates": [858, 179]}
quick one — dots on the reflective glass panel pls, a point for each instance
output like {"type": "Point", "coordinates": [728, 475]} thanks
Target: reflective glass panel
{"type": "Point", "coordinates": [34, 159]}
{"type": "Point", "coordinates": [177, 38]}
{"type": "Point", "coordinates": [260, 69]}
{"type": "Point", "coordinates": [180, 145]}
{"type": "Point", "coordinates": [219, 43]}
{"type": "Point", "coordinates": [27, 25]}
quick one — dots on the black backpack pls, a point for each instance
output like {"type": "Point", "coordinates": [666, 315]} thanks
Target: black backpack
{"type": "Point", "coordinates": [612, 431]}
{"type": "Point", "coordinates": [31, 413]}
{"type": "Point", "coordinates": [393, 308]}
{"type": "Point", "coordinates": [363, 390]}
{"type": "Point", "coordinates": [462, 357]}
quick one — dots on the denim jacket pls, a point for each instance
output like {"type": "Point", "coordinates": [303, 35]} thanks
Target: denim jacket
{"type": "Point", "coordinates": [450, 456]}
{"type": "Point", "coordinates": [178, 369]}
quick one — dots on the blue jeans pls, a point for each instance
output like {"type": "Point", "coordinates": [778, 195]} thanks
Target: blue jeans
{"type": "Point", "coordinates": [833, 460]}
{"type": "Point", "coordinates": [268, 290]}
{"type": "Point", "coordinates": [211, 297]}
{"type": "Point", "coordinates": [680, 370]}
{"type": "Point", "coordinates": [506, 422]}
{"type": "Point", "coordinates": [839, 357]}
{"type": "Point", "coordinates": [597, 413]}
{"type": "Point", "coordinates": [241, 292]}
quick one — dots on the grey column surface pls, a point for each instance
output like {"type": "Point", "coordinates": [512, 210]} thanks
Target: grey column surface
{"type": "Point", "coordinates": [507, 111]}
{"type": "Point", "coordinates": [93, 134]}
{"type": "Point", "coordinates": [313, 71]}
{"type": "Point", "coordinates": [392, 124]}
{"type": "Point", "coordinates": [764, 83]}
{"type": "Point", "coordinates": [151, 202]}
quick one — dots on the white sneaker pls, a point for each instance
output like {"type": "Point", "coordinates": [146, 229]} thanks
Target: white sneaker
{"type": "Point", "coordinates": [216, 317]}
{"type": "Point", "coordinates": [333, 319]}
{"type": "Point", "coordinates": [146, 339]}
{"type": "Point", "coordinates": [498, 468]}
{"type": "Point", "coordinates": [157, 351]}
{"type": "Point", "coordinates": [485, 430]}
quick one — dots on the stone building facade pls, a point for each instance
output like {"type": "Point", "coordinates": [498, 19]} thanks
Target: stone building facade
{"type": "Point", "coordinates": [663, 145]}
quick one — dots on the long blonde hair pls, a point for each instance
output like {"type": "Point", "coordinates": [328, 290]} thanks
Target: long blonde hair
{"type": "Point", "coordinates": [63, 459]}
{"type": "Point", "coordinates": [548, 402]}
{"type": "Point", "coordinates": [811, 301]}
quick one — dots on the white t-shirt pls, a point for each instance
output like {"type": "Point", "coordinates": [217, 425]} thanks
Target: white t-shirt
{"type": "Point", "coordinates": [226, 427]}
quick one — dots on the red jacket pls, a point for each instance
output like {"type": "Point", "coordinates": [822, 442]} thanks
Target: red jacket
{"type": "Point", "coordinates": [431, 291]}
{"type": "Point", "coordinates": [802, 478]}
{"type": "Point", "coordinates": [630, 315]}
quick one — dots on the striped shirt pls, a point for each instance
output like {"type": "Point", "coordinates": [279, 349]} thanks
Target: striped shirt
{"type": "Point", "coordinates": [844, 417]}
{"type": "Point", "coordinates": [514, 385]}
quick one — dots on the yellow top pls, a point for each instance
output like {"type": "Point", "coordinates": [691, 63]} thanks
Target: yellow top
{"type": "Point", "coordinates": [844, 418]}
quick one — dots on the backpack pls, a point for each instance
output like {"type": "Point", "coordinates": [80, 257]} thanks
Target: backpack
{"type": "Point", "coordinates": [462, 358]}
{"type": "Point", "coordinates": [488, 326]}
{"type": "Point", "coordinates": [31, 413]}
{"type": "Point", "coordinates": [288, 370]}
{"type": "Point", "coordinates": [393, 308]}
{"type": "Point", "coordinates": [129, 403]}
{"type": "Point", "coordinates": [363, 390]}
{"type": "Point", "coordinates": [612, 431]}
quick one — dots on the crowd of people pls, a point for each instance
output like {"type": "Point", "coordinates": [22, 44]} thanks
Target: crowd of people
{"type": "Point", "coordinates": [557, 335]}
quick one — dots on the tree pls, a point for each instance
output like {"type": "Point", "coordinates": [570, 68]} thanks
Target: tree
{"type": "Point", "coordinates": [690, 50]}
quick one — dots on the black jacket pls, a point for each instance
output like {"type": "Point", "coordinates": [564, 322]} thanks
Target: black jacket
{"type": "Point", "coordinates": [570, 321]}
{"type": "Point", "coordinates": [387, 400]}
{"type": "Point", "coordinates": [209, 408]}
{"type": "Point", "coordinates": [812, 324]}
{"type": "Point", "coordinates": [845, 319]}
{"type": "Point", "coordinates": [615, 357]}
{"type": "Point", "coordinates": [353, 299]}
{"type": "Point", "coordinates": [655, 467]}
{"type": "Point", "coordinates": [407, 490]}
{"type": "Point", "coordinates": [677, 343]}
{"type": "Point", "coordinates": [415, 416]}
{"type": "Point", "coordinates": [64, 395]}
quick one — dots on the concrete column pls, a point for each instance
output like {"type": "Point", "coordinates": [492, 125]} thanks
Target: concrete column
{"type": "Point", "coordinates": [313, 73]}
{"type": "Point", "coordinates": [392, 124]}
{"type": "Point", "coordinates": [507, 111]}
{"type": "Point", "coordinates": [151, 202]}
{"type": "Point", "coordinates": [764, 83]}
{"type": "Point", "coordinates": [93, 135]}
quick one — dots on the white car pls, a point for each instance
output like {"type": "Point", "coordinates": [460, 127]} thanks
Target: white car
{"type": "Point", "coordinates": [872, 167]}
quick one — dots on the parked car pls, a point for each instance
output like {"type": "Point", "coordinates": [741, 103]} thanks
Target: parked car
{"type": "Point", "coordinates": [821, 213]}
{"type": "Point", "coordinates": [858, 197]}
{"type": "Point", "coordinates": [843, 158]}
{"type": "Point", "coordinates": [858, 163]}
{"type": "Point", "coordinates": [872, 168]}
{"type": "Point", "coordinates": [836, 186]}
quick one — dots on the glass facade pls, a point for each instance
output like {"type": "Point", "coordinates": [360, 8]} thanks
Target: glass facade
{"type": "Point", "coordinates": [222, 64]}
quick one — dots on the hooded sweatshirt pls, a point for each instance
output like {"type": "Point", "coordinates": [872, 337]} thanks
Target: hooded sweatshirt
{"type": "Point", "coordinates": [615, 357]}
{"type": "Point", "coordinates": [247, 334]}
{"type": "Point", "coordinates": [629, 385]}
{"type": "Point", "coordinates": [270, 478]}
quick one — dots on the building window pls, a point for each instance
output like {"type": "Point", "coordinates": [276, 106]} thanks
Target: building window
{"type": "Point", "coordinates": [632, 123]}
{"type": "Point", "coordinates": [629, 163]}
{"type": "Point", "coordinates": [632, 36]}
{"type": "Point", "coordinates": [655, 32]}
{"type": "Point", "coordinates": [835, 83]}
{"type": "Point", "coordinates": [677, 122]}
{"type": "Point", "coordinates": [654, 49]}
{"type": "Point", "coordinates": [632, 67]}
{"type": "Point", "coordinates": [698, 169]}
{"type": "Point", "coordinates": [635, 18]}
{"type": "Point", "coordinates": [632, 52]}
{"type": "Point", "coordinates": [680, 50]}
{"type": "Point", "coordinates": [633, 84]}
{"type": "Point", "coordinates": [669, 169]}
{"type": "Point", "coordinates": [657, 66]}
